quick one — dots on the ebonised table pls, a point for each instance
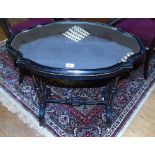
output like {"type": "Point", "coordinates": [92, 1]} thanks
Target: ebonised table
{"type": "Point", "coordinates": [75, 54]}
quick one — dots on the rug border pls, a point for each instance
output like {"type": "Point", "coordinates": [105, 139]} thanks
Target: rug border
{"type": "Point", "coordinates": [18, 101]}
{"type": "Point", "coordinates": [144, 96]}
{"type": "Point", "coordinates": [136, 110]}
{"type": "Point", "coordinates": [39, 129]}
{"type": "Point", "coordinates": [26, 117]}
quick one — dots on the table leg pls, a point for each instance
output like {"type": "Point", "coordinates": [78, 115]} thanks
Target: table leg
{"type": "Point", "coordinates": [21, 76]}
{"type": "Point", "coordinates": [40, 90]}
{"type": "Point", "coordinates": [6, 26]}
{"type": "Point", "coordinates": [111, 91]}
{"type": "Point", "coordinates": [147, 58]}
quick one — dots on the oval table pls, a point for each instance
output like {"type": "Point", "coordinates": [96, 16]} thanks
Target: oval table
{"type": "Point", "coordinates": [75, 54]}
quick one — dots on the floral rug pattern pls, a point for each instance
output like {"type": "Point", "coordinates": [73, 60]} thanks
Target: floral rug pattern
{"type": "Point", "coordinates": [79, 121]}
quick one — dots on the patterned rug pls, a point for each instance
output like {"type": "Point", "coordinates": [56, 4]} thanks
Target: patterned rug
{"type": "Point", "coordinates": [81, 121]}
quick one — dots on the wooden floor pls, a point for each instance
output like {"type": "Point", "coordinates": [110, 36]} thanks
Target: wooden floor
{"type": "Point", "coordinates": [142, 125]}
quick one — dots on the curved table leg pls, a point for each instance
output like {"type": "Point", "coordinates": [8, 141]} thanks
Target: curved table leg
{"type": "Point", "coordinates": [40, 90]}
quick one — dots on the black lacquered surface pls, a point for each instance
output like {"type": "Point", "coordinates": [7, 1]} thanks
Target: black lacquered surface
{"type": "Point", "coordinates": [97, 50]}
{"type": "Point", "coordinates": [94, 60]}
{"type": "Point", "coordinates": [44, 48]}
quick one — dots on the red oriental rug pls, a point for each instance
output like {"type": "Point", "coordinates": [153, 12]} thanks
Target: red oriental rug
{"type": "Point", "coordinates": [65, 120]}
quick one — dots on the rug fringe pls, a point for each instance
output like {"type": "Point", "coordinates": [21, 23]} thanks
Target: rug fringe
{"type": "Point", "coordinates": [7, 101]}
{"type": "Point", "coordinates": [3, 41]}
{"type": "Point", "coordinates": [26, 117]}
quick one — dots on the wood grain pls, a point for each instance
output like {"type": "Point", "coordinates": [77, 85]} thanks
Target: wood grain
{"type": "Point", "coordinates": [11, 126]}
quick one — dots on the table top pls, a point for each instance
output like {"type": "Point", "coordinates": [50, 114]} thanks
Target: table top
{"type": "Point", "coordinates": [76, 46]}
